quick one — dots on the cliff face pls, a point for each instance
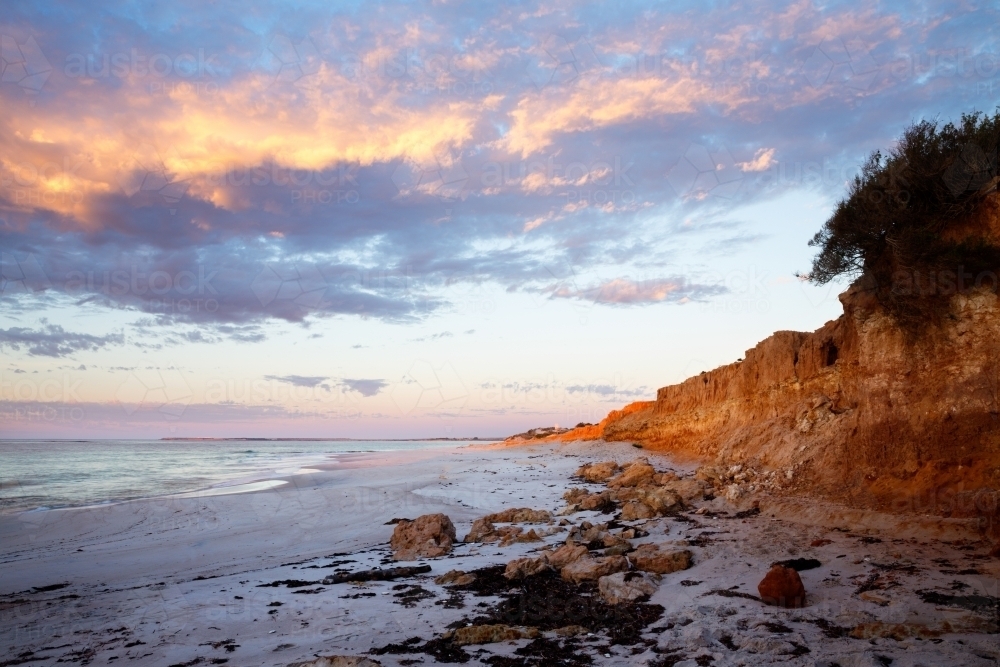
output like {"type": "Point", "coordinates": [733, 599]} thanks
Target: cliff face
{"type": "Point", "coordinates": [853, 411]}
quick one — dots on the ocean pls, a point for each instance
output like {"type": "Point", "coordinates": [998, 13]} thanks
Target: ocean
{"type": "Point", "coordinates": [51, 474]}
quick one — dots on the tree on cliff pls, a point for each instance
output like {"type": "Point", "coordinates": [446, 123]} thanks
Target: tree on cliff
{"type": "Point", "coordinates": [919, 223]}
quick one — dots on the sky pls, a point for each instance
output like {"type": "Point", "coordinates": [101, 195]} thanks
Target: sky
{"type": "Point", "coordinates": [429, 219]}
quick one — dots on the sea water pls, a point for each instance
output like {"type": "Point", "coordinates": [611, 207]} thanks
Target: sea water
{"type": "Point", "coordinates": [50, 474]}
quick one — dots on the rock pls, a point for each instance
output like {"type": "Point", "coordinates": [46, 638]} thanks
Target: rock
{"type": "Point", "coordinates": [489, 634]}
{"type": "Point", "coordinates": [530, 536]}
{"type": "Point", "coordinates": [522, 568]}
{"type": "Point", "coordinates": [571, 630]}
{"type": "Point", "coordinates": [690, 490]}
{"type": "Point", "coordinates": [519, 515]}
{"type": "Point", "coordinates": [575, 494]}
{"type": "Point", "coordinates": [652, 558]}
{"type": "Point", "coordinates": [596, 502]}
{"type": "Point", "coordinates": [820, 542]}
{"type": "Point", "coordinates": [588, 568]}
{"type": "Point", "coordinates": [598, 472]}
{"type": "Point", "coordinates": [732, 493]}
{"type": "Point", "coordinates": [339, 661]}
{"type": "Point", "coordinates": [481, 529]}
{"type": "Point", "coordinates": [782, 587]}
{"type": "Point", "coordinates": [711, 474]}
{"type": "Point", "coordinates": [455, 578]}
{"type": "Point", "coordinates": [618, 549]}
{"type": "Point", "coordinates": [634, 511]}
{"type": "Point", "coordinates": [661, 500]}
{"type": "Point", "coordinates": [566, 554]}
{"type": "Point", "coordinates": [662, 478]}
{"type": "Point", "coordinates": [627, 586]}
{"type": "Point", "coordinates": [636, 474]}
{"type": "Point", "coordinates": [429, 536]}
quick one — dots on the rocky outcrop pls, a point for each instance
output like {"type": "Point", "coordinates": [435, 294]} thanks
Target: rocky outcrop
{"type": "Point", "coordinates": [428, 536]}
{"type": "Point", "coordinates": [856, 411]}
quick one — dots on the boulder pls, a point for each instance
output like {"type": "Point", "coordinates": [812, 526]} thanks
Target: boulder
{"type": "Point", "coordinates": [782, 587]}
{"type": "Point", "coordinates": [575, 494]}
{"type": "Point", "coordinates": [566, 554]}
{"type": "Point", "coordinates": [455, 578]}
{"type": "Point", "coordinates": [618, 549]}
{"type": "Point", "coordinates": [598, 472]}
{"type": "Point", "coordinates": [489, 634]}
{"type": "Point", "coordinates": [652, 558]}
{"type": "Point", "coordinates": [662, 478]}
{"type": "Point", "coordinates": [689, 490]}
{"type": "Point", "coordinates": [519, 515]}
{"type": "Point", "coordinates": [636, 474]}
{"type": "Point", "coordinates": [661, 500]}
{"type": "Point", "coordinates": [429, 536]}
{"type": "Point", "coordinates": [634, 510]}
{"type": "Point", "coordinates": [481, 529]}
{"type": "Point", "coordinates": [714, 475]}
{"type": "Point", "coordinates": [521, 568]}
{"type": "Point", "coordinates": [339, 661]}
{"type": "Point", "coordinates": [627, 586]}
{"type": "Point", "coordinates": [596, 502]}
{"type": "Point", "coordinates": [588, 568]}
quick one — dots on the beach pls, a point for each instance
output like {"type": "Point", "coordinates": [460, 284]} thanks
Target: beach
{"type": "Point", "coordinates": [235, 575]}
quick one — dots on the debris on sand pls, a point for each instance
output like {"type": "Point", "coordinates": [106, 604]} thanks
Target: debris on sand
{"type": "Point", "coordinates": [488, 634]}
{"type": "Point", "coordinates": [378, 574]}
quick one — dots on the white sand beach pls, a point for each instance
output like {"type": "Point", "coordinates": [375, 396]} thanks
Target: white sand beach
{"type": "Point", "coordinates": [190, 579]}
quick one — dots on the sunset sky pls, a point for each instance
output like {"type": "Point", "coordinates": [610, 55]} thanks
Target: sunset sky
{"type": "Point", "coordinates": [429, 219]}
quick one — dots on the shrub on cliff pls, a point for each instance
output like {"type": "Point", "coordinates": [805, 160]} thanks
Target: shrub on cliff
{"type": "Point", "coordinates": [919, 223]}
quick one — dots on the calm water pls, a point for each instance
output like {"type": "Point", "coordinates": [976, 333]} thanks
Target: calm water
{"type": "Point", "coordinates": [51, 474]}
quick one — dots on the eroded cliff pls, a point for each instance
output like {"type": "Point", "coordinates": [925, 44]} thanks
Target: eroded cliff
{"type": "Point", "coordinates": [854, 411]}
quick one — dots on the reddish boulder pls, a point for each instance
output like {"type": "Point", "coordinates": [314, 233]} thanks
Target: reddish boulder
{"type": "Point", "coordinates": [782, 587]}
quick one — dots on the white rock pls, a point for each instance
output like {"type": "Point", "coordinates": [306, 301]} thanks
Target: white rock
{"type": "Point", "coordinates": [627, 586]}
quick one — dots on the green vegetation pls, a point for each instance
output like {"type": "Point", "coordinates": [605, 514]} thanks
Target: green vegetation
{"type": "Point", "coordinates": [920, 222]}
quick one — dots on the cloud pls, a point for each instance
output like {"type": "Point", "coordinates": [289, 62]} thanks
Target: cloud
{"type": "Point", "coordinates": [54, 341]}
{"type": "Point", "coordinates": [623, 291]}
{"type": "Point", "coordinates": [298, 380]}
{"type": "Point", "coordinates": [364, 167]}
{"type": "Point", "coordinates": [607, 390]}
{"type": "Point", "coordinates": [364, 387]}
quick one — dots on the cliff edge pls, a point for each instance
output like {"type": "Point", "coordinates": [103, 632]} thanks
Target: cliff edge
{"type": "Point", "coordinates": [854, 411]}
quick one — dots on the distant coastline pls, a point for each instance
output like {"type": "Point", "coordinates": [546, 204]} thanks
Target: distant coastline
{"type": "Point", "coordinates": [478, 439]}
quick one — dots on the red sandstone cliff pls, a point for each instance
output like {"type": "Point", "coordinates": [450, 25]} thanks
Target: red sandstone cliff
{"type": "Point", "coordinates": [860, 413]}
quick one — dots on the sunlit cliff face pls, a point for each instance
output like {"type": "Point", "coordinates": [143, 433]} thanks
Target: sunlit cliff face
{"type": "Point", "coordinates": [359, 194]}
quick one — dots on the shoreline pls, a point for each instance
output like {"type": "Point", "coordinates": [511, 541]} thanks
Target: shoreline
{"type": "Point", "coordinates": [283, 465]}
{"type": "Point", "coordinates": [169, 581]}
